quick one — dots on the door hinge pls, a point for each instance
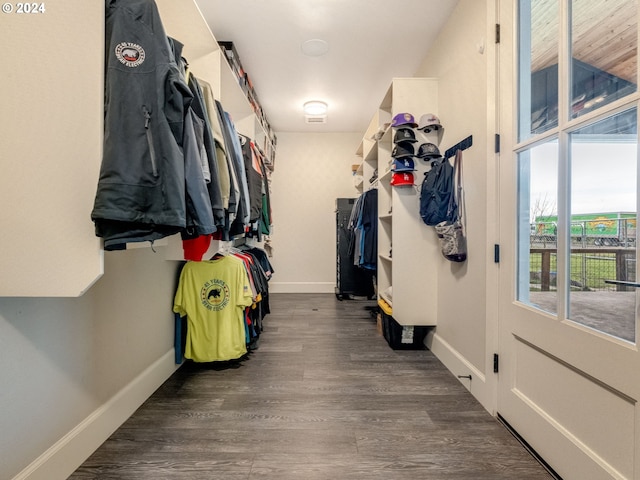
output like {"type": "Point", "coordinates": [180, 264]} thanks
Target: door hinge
{"type": "Point", "coordinates": [497, 33]}
{"type": "Point", "coordinates": [495, 363]}
{"type": "Point", "coordinates": [497, 143]}
{"type": "Point", "coordinates": [496, 253]}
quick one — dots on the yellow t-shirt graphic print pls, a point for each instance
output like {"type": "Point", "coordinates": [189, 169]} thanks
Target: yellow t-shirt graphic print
{"type": "Point", "coordinates": [212, 295]}
{"type": "Point", "coordinates": [215, 294]}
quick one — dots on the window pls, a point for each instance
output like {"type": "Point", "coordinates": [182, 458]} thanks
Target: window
{"type": "Point", "coordinates": [538, 80]}
{"type": "Point", "coordinates": [538, 214]}
{"type": "Point", "coordinates": [577, 161]}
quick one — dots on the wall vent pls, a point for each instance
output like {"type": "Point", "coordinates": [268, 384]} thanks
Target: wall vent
{"type": "Point", "coordinates": [315, 119]}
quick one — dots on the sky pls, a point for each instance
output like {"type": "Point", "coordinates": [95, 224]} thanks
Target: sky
{"type": "Point", "coordinates": [603, 177]}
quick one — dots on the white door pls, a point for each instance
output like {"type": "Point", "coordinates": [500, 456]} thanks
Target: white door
{"type": "Point", "coordinates": [569, 377]}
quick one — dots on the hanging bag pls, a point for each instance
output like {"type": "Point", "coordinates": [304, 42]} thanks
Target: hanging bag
{"type": "Point", "coordinates": [452, 233]}
{"type": "Point", "coordinates": [437, 192]}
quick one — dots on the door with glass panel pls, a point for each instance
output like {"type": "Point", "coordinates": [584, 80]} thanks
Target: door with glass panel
{"type": "Point", "coordinates": [569, 379]}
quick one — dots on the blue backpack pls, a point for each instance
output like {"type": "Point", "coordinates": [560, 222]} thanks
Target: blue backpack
{"type": "Point", "coordinates": [437, 200]}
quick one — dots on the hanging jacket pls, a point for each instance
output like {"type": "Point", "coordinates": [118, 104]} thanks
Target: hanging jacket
{"type": "Point", "coordinates": [209, 151]}
{"type": "Point", "coordinates": [221, 155]}
{"type": "Point", "coordinates": [199, 214]}
{"type": "Point", "coordinates": [369, 225]}
{"type": "Point", "coordinates": [141, 188]}
{"type": "Point", "coordinates": [197, 171]}
{"type": "Point", "coordinates": [234, 191]}
{"type": "Point", "coordinates": [238, 164]}
{"type": "Point", "coordinates": [254, 179]}
{"type": "Point", "coordinates": [238, 222]}
{"type": "Point", "coordinates": [265, 219]}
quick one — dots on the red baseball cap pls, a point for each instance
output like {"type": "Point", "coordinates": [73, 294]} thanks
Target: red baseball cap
{"type": "Point", "coordinates": [402, 179]}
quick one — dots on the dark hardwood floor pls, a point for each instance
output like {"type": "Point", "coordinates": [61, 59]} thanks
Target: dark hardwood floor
{"type": "Point", "coordinates": [324, 397]}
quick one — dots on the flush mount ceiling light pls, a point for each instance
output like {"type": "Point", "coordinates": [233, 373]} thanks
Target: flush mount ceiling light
{"type": "Point", "coordinates": [315, 107]}
{"type": "Point", "coordinates": [314, 47]}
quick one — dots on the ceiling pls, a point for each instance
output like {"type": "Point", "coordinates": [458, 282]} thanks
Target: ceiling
{"type": "Point", "coordinates": [370, 42]}
{"type": "Point", "coordinates": [604, 35]}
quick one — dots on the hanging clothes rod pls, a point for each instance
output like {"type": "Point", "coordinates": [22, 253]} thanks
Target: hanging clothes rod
{"type": "Point", "coordinates": [463, 145]}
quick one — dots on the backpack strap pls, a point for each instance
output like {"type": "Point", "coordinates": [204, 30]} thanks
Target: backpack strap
{"type": "Point", "coordinates": [452, 206]}
{"type": "Point", "coordinates": [458, 189]}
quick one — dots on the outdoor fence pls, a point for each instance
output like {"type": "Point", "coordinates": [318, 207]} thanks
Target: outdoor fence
{"type": "Point", "coordinates": [595, 258]}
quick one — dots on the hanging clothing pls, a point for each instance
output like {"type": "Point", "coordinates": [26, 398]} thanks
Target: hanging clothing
{"type": "Point", "coordinates": [199, 214]}
{"type": "Point", "coordinates": [254, 179]}
{"type": "Point", "coordinates": [213, 295]}
{"type": "Point", "coordinates": [238, 165]}
{"type": "Point", "coordinates": [209, 154]}
{"type": "Point", "coordinates": [238, 224]}
{"type": "Point", "coordinates": [173, 161]}
{"type": "Point", "coordinates": [203, 333]}
{"type": "Point", "coordinates": [141, 188]}
{"type": "Point", "coordinates": [198, 173]}
{"type": "Point", "coordinates": [234, 191]}
{"type": "Point", "coordinates": [260, 282]}
{"type": "Point", "coordinates": [195, 248]}
{"type": "Point", "coordinates": [363, 230]}
{"type": "Point", "coordinates": [216, 129]}
{"type": "Point", "coordinates": [263, 261]}
{"type": "Point", "coordinates": [264, 222]}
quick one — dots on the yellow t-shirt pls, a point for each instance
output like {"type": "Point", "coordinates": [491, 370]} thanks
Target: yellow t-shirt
{"type": "Point", "coordinates": [212, 295]}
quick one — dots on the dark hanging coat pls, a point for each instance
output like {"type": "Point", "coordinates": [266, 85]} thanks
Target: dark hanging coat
{"type": "Point", "coordinates": [141, 189]}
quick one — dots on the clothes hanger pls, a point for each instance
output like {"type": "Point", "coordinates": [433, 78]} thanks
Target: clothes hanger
{"type": "Point", "coordinates": [224, 249]}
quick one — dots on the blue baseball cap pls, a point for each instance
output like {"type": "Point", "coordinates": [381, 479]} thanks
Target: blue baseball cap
{"type": "Point", "coordinates": [403, 165]}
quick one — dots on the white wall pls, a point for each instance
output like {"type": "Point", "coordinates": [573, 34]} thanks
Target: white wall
{"type": "Point", "coordinates": [460, 60]}
{"type": "Point", "coordinates": [65, 361]}
{"type": "Point", "coordinates": [311, 171]}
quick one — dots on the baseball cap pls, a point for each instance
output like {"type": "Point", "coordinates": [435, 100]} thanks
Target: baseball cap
{"type": "Point", "coordinates": [402, 179]}
{"type": "Point", "coordinates": [429, 122]}
{"type": "Point", "coordinates": [404, 134]}
{"type": "Point", "coordinates": [403, 165]}
{"type": "Point", "coordinates": [428, 150]}
{"type": "Point", "coordinates": [404, 149]}
{"type": "Point", "coordinates": [404, 119]}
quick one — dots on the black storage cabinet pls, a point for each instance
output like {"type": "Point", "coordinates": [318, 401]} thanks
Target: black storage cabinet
{"type": "Point", "coordinates": [351, 281]}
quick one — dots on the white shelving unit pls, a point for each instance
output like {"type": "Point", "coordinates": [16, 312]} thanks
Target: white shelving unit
{"type": "Point", "coordinates": [407, 248]}
{"type": "Point", "coordinates": [368, 152]}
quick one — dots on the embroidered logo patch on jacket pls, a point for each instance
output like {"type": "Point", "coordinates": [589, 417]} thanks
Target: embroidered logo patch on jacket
{"type": "Point", "coordinates": [130, 54]}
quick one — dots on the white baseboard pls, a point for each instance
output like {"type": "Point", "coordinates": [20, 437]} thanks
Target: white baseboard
{"type": "Point", "coordinates": [457, 364]}
{"type": "Point", "coordinates": [301, 287]}
{"type": "Point", "coordinates": [68, 453]}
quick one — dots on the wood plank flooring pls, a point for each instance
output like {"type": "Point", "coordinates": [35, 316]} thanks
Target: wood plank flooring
{"type": "Point", "coordinates": [324, 397]}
